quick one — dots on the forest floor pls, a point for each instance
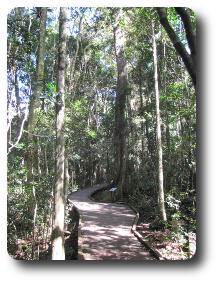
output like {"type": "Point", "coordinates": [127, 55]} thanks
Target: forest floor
{"type": "Point", "coordinates": [166, 242]}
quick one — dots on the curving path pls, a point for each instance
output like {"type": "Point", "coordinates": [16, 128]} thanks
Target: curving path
{"type": "Point", "coordinates": [105, 229]}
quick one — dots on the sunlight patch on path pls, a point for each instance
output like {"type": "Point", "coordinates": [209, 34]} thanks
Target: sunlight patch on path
{"type": "Point", "coordinates": [105, 229]}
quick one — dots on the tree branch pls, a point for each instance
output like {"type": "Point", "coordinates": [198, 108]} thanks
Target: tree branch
{"type": "Point", "coordinates": [177, 44]}
{"type": "Point", "coordinates": [189, 30]}
{"type": "Point", "coordinates": [40, 136]}
{"type": "Point", "coordinates": [20, 134]}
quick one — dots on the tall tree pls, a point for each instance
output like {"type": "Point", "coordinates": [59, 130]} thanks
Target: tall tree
{"type": "Point", "coordinates": [58, 252]}
{"type": "Point", "coordinates": [37, 91]}
{"type": "Point", "coordinates": [159, 138]}
{"type": "Point", "coordinates": [39, 82]}
{"type": "Point", "coordinates": [120, 104]}
{"type": "Point", "coordinates": [32, 119]}
{"type": "Point", "coordinates": [96, 95]}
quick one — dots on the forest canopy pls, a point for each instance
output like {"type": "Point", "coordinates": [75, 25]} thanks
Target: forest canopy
{"type": "Point", "coordinates": [99, 95]}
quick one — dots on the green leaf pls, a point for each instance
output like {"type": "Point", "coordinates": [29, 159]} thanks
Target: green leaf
{"type": "Point", "coordinates": [92, 134]}
{"type": "Point", "coordinates": [51, 87]}
{"type": "Point", "coordinates": [121, 24]}
{"type": "Point", "coordinates": [20, 145]}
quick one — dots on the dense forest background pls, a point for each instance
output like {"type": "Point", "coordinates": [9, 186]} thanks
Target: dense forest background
{"type": "Point", "coordinates": [100, 95]}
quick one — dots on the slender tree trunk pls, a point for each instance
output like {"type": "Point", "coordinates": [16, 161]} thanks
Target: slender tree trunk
{"type": "Point", "coordinates": [34, 222]}
{"type": "Point", "coordinates": [17, 94]}
{"type": "Point", "coordinates": [34, 105]}
{"type": "Point", "coordinates": [142, 123]}
{"type": "Point", "coordinates": [120, 104]}
{"type": "Point", "coordinates": [72, 80]}
{"type": "Point", "coordinates": [159, 141]}
{"type": "Point", "coordinates": [37, 90]}
{"type": "Point", "coordinates": [58, 251]}
{"type": "Point", "coordinates": [46, 170]}
{"type": "Point", "coordinates": [167, 128]}
{"type": "Point", "coordinates": [19, 135]}
{"type": "Point", "coordinates": [72, 176]}
{"type": "Point", "coordinates": [39, 83]}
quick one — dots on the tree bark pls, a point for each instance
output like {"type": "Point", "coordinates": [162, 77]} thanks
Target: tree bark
{"type": "Point", "coordinates": [120, 103]}
{"type": "Point", "coordinates": [38, 87]}
{"type": "Point", "coordinates": [189, 60]}
{"type": "Point", "coordinates": [58, 252]}
{"type": "Point", "coordinates": [66, 178]}
{"type": "Point", "coordinates": [17, 94]}
{"type": "Point", "coordinates": [37, 90]}
{"type": "Point", "coordinates": [159, 139]}
{"type": "Point", "coordinates": [34, 105]}
{"type": "Point", "coordinates": [72, 81]}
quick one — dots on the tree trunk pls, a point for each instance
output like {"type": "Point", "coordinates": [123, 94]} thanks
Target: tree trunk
{"type": "Point", "coordinates": [17, 94]}
{"type": "Point", "coordinates": [58, 252]}
{"type": "Point", "coordinates": [34, 105]}
{"type": "Point", "coordinates": [37, 90]}
{"type": "Point", "coordinates": [168, 176]}
{"type": "Point", "coordinates": [142, 113]}
{"type": "Point", "coordinates": [72, 81]}
{"type": "Point", "coordinates": [159, 141]}
{"type": "Point", "coordinates": [38, 87]}
{"type": "Point", "coordinates": [122, 91]}
{"type": "Point", "coordinates": [46, 170]}
{"type": "Point", "coordinates": [66, 178]}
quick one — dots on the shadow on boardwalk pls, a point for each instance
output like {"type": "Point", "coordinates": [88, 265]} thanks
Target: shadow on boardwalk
{"type": "Point", "coordinates": [105, 229]}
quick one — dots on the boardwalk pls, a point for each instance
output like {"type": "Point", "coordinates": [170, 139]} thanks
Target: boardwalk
{"type": "Point", "coordinates": [105, 229]}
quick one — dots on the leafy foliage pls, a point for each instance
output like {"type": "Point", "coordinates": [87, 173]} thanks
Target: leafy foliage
{"type": "Point", "coordinates": [91, 89]}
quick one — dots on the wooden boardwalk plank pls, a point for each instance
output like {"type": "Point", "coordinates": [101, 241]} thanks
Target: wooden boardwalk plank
{"type": "Point", "coordinates": [105, 229]}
